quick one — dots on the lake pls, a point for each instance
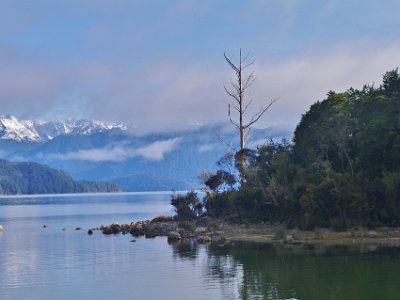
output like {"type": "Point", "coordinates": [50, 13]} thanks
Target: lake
{"type": "Point", "coordinates": [52, 263]}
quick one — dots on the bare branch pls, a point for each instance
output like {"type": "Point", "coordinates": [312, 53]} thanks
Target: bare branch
{"type": "Point", "coordinates": [248, 81]}
{"type": "Point", "coordinates": [236, 87]}
{"type": "Point", "coordinates": [225, 142]}
{"type": "Point", "coordinates": [246, 56]}
{"type": "Point", "coordinates": [247, 106]}
{"type": "Point", "coordinates": [248, 65]}
{"type": "Point", "coordinates": [236, 69]}
{"type": "Point", "coordinates": [234, 123]}
{"type": "Point", "coordinates": [235, 107]}
{"type": "Point", "coordinates": [257, 116]}
{"type": "Point", "coordinates": [232, 94]}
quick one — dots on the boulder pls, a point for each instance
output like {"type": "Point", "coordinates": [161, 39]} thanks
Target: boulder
{"type": "Point", "coordinates": [152, 230]}
{"type": "Point", "coordinates": [138, 228]}
{"type": "Point", "coordinates": [112, 229]}
{"type": "Point", "coordinates": [174, 236]}
{"type": "Point", "coordinates": [371, 234]}
{"type": "Point", "coordinates": [203, 239]}
{"type": "Point", "coordinates": [200, 231]}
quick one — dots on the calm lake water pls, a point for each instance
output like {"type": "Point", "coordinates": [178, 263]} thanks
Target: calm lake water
{"type": "Point", "coordinates": [49, 263]}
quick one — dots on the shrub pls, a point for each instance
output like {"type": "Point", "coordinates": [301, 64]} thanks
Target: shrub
{"type": "Point", "coordinates": [187, 207]}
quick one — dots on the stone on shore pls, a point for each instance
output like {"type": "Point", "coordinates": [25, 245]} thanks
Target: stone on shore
{"type": "Point", "coordinates": [174, 236]}
{"type": "Point", "coordinates": [203, 239]}
{"type": "Point", "coordinates": [371, 234]}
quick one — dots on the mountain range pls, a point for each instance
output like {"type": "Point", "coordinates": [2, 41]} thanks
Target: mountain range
{"type": "Point", "coordinates": [117, 152]}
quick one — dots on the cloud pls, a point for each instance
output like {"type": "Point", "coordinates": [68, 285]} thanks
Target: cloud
{"type": "Point", "coordinates": [207, 148]}
{"type": "Point", "coordinates": [157, 150]}
{"type": "Point", "coordinates": [118, 153]}
{"type": "Point", "coordinates": [175, 92]}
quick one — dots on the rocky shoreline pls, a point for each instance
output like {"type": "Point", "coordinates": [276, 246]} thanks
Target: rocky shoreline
{"type": "Point", "coordinates": [203, 230]}
{"type": "Point", "coordinates": [208, 230]}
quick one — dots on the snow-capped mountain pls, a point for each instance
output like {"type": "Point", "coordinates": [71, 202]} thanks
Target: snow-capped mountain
{"type": "Point", "coordinates": [38, 131]}
{"type": "Point", "coordinates": [93, 150]}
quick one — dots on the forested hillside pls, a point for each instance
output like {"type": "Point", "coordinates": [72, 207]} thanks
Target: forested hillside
{"type": "Point", "coordinates": [33, 178]}
{"type": "Point", "coordinates": [342, 168]}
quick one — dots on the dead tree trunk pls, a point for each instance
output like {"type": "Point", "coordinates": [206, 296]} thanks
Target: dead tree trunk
{"type": "Point", "coordinates": [238, 91]}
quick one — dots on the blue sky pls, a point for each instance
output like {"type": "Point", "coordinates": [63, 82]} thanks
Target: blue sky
{"type": "Point", "coordinates": [159, 64]}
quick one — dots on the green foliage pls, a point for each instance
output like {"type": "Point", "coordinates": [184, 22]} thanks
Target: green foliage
{"type": "Point", "coordinates": [32, 178]}
{"type": "Point", "coordinates": [187, 207]}
{"type": "Point", "coordinates": [343, 168]}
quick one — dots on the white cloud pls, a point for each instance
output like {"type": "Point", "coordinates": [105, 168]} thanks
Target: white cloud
{"type": "Point", "coordinates": [154, 151]}
{"type": "Point", "coordinates": [157, 150]}
{"type": "Point", "coordinates": [207, 148]}
{"type": "Point", "coordinates": [169, 96]}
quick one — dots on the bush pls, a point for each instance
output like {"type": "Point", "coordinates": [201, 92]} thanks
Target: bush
{"type": "Point", "coordinates": [187, 207]}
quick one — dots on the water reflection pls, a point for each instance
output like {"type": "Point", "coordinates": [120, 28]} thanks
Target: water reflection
{"type": "Point", "coordinates": [259, 271]}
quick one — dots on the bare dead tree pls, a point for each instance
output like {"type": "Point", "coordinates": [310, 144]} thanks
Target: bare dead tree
{"type": "Point", "coordinates": [237, 92]}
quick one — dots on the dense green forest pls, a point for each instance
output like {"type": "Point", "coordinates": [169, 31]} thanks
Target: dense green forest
{"type": "Point", "coordinates": [341, 169]}
{"type": "Point", "coordinates": [33, 178]}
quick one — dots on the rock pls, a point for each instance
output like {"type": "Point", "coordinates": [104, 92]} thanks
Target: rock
{"type": "Point", "coordinates": [1, 228]}
{"type": "Point", "coordinates": [133, 241]}
{"type": "Point", "coordinates": [174, 236]}
{"type": "Point", "coordinates": [64, 229]}
{"type": "Point", "coordinates": [371, 234]}
{"type": "Point", "coordinates": [78, 228]}
{"type": "Point", "coordinates": [113, 229]}
{"type": "Point", "coordinates": [200, 231]}
{"type": "Point", "coordinates": [288, 239]}
{"type": "Point", "coordinates": [138, 228]}
{"type": "Point", "coordinates": [90, 232]}
{"type": "Point", "coordinates": [203, 239]}
{"type": "Point", "coordinates": [151, 231]}
{"type": "Point", "coordinates": [45, 226]}
{"type": "Point", "coordinates": [107, 230]}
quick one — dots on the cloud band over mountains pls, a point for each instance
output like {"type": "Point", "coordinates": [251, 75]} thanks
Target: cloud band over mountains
{"type": "Point", "coordinates": [154, 151]}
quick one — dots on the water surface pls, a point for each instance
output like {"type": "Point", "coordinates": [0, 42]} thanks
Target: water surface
{"type": "Point", "coordinates": [52, 263]}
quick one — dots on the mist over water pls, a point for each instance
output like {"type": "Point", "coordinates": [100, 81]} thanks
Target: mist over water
{"type": "Point", "coordinates": [52, 263]}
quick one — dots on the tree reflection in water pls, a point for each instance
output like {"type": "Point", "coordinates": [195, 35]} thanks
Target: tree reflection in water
{"type": "Point", "coordinates": [260, 271]}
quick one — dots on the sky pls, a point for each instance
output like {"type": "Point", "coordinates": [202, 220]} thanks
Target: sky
{"type": "Point", "coordinates": [159, 64]}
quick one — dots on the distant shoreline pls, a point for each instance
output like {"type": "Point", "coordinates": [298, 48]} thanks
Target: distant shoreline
{"type": "Point", "coordinates": [101, 194]}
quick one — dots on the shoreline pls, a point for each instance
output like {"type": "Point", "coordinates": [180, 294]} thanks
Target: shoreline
{"type": "Point", "coordinates": [206, 230]}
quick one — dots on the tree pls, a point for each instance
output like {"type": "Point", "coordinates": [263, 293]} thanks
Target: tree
{"type": "Point", "coordinates": [238, 91]}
